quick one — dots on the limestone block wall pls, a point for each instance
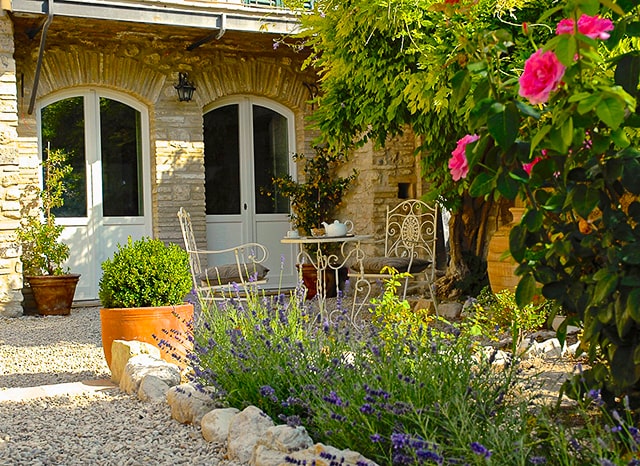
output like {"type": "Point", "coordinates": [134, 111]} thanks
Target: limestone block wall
{"type": "Point", "coordinates": [10, 271]}
{"type": "Point", "coordinates": [385, 177]}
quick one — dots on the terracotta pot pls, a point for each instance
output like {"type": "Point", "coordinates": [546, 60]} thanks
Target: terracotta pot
{"type": "Point", "coordinates": [310, 280]}
{"type": "Point", "coordinates": [53, 294]}
{"type": "Point", "coordinates": [168, 323]}
{"type": "Point", "coordinates": [500, 265]}
{"type": "Point", "coordinates": [29, 307]}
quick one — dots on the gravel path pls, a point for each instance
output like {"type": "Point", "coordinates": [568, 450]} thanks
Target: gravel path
{"type": "Point", "coordinates": [101, 428]}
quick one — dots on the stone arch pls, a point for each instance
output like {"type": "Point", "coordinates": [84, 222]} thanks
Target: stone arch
{"type": "Point", "coordinates": [72, 68]}
{"type": "Point", "coordinates": [251, 75]}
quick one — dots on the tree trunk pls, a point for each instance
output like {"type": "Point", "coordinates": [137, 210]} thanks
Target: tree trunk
{"type": "Point", "coordinates": [470, 230]}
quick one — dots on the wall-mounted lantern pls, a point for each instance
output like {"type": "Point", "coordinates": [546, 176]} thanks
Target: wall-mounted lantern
{"type": "Point", "coordinates": [184, 88]}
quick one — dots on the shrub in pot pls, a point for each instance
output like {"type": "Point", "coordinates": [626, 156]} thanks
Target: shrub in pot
{"type": "Point", "coordinates": [142, 292]}
{"type": "Point", "coordinates": [314, 200]}
{"type": "Point", "coordinates": [42, 252]}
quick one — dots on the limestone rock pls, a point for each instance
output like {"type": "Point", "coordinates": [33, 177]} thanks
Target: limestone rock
{"type": "Point", "coordinates": [572, 350]}
{"type": "Point", "coordinates": [123, 350]}
{"type": "Point", "coordinates": [144, 364]}
{"type": "Point", "coordinates": [450, 310]}
{"type": "Point", "coordinates": [276, 444]}
{"type": "Point", "coordinates": [188, 405]}
{"type": "Point", "coordinates": [547, 349]}
{"type": "Point", "coordinates": [246, 428]}
{"type": "Point", "coordinates": [152, 389]}
{"type": "Point", "coordinates": [215, 424]}
{"type": "Point", "coordinates": [497, 358]}
{"type": "Point", "coordinates": [324, 455]}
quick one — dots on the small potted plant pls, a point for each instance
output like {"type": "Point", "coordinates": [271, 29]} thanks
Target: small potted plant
{"type": "Point", "coordinates": [142, 292]}
{"type": "Point", "coordinates": [315, 199]}
{"type": "Point", "coordinates": [42, 252]}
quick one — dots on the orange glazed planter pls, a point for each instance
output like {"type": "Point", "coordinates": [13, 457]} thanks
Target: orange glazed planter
{"type": "Point", "coordinates": [501, 267]}
{"type": "Point", "coordinates": [170, 324]}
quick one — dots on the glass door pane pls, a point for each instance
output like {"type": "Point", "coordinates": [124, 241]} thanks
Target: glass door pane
{"type": "Point", "coordinates": [121, 153]}
{"type": "Point", "coordinates": [62, 125]}
{"type": "Point", "coordinates": [222, 160]}
{"type": "Point", "coordinates": [270, 158]}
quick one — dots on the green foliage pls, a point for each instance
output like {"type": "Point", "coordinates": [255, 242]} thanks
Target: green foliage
{"type": "Point", "coordinates": [351, 390]}
{"type": "Point", "coordinates": [393, 316]}
{"type": "Point", "coordinates": [386, 66]}
{"type": "Point", "coordinates": [580, 233]}
{"type": "Point", "coordinates": [315, 200]}
{"type": "Point", "coordinates": [495, 314]}
{"type": "Point", "coordinates": [41, 251]}
{"type": "Point", "coordinates": [145, 273]}
{"type": "Point", "coordinates": [417, 401]}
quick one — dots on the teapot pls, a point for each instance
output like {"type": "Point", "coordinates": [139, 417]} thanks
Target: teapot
{"type": "Point", "coordinates": [336, 228]}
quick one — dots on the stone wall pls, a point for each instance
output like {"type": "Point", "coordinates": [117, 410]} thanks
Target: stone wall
{"type": "Point", "coordinates": [385, 177]}
{"type": "Point", "coordinates": [10, 271]}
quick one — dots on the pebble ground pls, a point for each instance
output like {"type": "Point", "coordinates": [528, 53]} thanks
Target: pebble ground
{"type": "Point", "coordinates": [102, 428]}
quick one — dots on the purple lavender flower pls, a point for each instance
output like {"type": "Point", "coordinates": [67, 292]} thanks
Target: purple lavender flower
{"type": "Point", "coordinates": [375, 438]}
{"type": "Point", "coordinates": [538, 460]}
{"type": "Point", "coordinates": [480, 450]}
{"type": "Point", "coordinates": [428, 455]}
{"type": "Point", "coordinates": [400, 440]}
{"type": "Point", "coordinates": [366, 409]}
{"type": "Point", "coordinates": [334, 399]}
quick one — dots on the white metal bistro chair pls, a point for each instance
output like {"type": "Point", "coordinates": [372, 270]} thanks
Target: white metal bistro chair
{"type": "Point", "coordinates": [409, 246]}
{"type": "Point", "coordinates": [221, 279]}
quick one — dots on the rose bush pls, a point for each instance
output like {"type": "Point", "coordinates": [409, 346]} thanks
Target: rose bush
{"type": "Point", "coordinates": [571, 151]}
{"type": "Point", "coordinates": [542, 75]}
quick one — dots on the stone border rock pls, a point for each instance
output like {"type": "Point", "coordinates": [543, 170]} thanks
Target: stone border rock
{"type": "Point", "coordinates": [250, 436]}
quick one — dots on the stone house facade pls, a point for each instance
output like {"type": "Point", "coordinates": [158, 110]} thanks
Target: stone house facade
{"type": "Point", "coordinates": [130, 53]}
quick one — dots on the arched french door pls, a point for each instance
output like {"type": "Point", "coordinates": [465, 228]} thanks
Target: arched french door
{"type": "Point", "coordinates": [248, 141]}
{"type": "Point", "coordinates": [109, 194]}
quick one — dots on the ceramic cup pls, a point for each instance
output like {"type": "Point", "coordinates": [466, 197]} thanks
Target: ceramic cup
{"type": "Point", "coordinates": [292, 234]}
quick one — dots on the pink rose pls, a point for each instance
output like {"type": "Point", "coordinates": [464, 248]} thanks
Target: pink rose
{"type": "Point", "coordinates": [566, 26]}
{"type": "Point", "coordinates": [593, 27]}
{"type": "Point", "coordinates": [529, 166]}
{"type": "Point", "coordinates": [458, 165]}
{"type": "Point", "coordinates": [542, 75]}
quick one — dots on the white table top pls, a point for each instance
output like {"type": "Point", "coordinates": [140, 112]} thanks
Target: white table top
{"type": "Point", "coordinates": [325, 239]}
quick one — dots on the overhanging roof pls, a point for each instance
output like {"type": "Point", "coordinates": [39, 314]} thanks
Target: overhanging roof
{"type": "Point", "coordinates": [197, 14]}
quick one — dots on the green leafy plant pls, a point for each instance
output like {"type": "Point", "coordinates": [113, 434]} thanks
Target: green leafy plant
{"type": "Point", "coordinates": [408, 401]}
{"type": "Point", "coordinates": [42, 253]}
{"type": "Point", "coordinates": [392, 315]}
{"type": "Point", "coordinates": [315, 199]}
{"type": "Point", "coordinates": [566, 140]}
{"type": "Point", "coordinates": [145, 273]}
{"type": "Point", "coordinates": [499, 313]}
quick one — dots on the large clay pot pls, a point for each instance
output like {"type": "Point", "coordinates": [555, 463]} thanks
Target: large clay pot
{"type": "Point", "coordinates": [310, 280]}
{"type": "Point", "coordinates": [53, 294]}
{"type": "Point", "coordinates": [29, 306]}
{"type": "Point", "coordinates": [169, 324]}
{"type": "Point", "coordinates": [500, 265]}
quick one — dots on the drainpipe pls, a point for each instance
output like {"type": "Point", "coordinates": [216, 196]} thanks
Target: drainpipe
{"type": "Point", "coordinates": [43, 39]}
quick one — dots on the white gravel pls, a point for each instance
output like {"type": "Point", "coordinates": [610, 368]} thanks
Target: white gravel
{"type": "Point", "coordinates": [101, 428]}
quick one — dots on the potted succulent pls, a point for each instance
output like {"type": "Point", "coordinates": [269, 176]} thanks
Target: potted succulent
{"type": "Point", "coordinates": [42, 252]}
{"type": "Point", "coordinates": [315, 199]}
{"type": "Point", "coordinates": [142, 293]}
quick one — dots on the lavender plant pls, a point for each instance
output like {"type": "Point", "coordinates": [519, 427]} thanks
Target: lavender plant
{"type": "Point", "coordinates": [421, 400]}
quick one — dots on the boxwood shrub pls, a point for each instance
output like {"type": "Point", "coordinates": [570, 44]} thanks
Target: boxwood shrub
{"type": "Point", "coordinates": [145, 273]}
